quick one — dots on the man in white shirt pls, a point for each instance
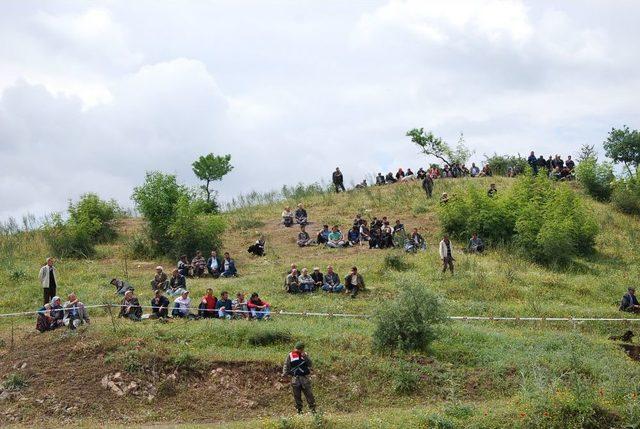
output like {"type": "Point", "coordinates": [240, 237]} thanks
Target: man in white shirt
{"type": "Point", "coordinates": [446, 254]}
{"type": "Point", "coordinates": [182, 305]}
{"type": "Point", "coordinates": [48, 277]}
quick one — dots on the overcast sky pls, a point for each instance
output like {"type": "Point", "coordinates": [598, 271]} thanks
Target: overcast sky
{"type": "Point", "coordinates": [93, 94]}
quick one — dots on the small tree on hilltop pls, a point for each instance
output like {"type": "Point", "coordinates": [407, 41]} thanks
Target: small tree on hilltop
{"type": "Point", "coordinates": [623, 145]}
{"type": "Point", "coordinates": [430, 145]}
{"type": "Point", "coordinates": [210, 168]}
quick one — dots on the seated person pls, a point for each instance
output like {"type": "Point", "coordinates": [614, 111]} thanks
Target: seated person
{"type": "Point", "coordinates": [323, 236]}
{"type": "Point", "coordinates": [353, 236]}
{"type": "Point", "coordinates": [259, 309]}
{"type": "Point", "coordinates": [570, 164]}
{"type": "Point", "coordinates": [629, 301]}
{"type": "Point", "coordinates": [287, 217]}
{"type": "Point", "coordinates": [228, 266]}
{"type": "Point", "coordinates": [301, 215]}
{"type": "Point", "coordinates": [444, 199]}
{"type": "Point", "coordinates": [492, 190]}
{"type": "Point", "coordinates": [365, 235]}
{"type": "Point", "coordinates": [421, 174]}
{"type": "Point", "coordinates": [486, 171]}
{"type": "Point", "coordinates": [240, 307]}
{"type": "Point", "coordinates": [376, 223]}
{"type": "Point", "coordinates": [184, 267]}
{"type": "Point", "coordinates": [362, 184]}
{"type": "Point", "coordinates": [291, 283]}
{"type": "Point", "coordinates": [75, 313]}
{"type": "Point", "coordinates": [44, 321]}
{"type": "Point", "coordinates": [409, 176]}
{"type": "Point", "coordinates": [475, 171]}
{"type": "Point", "coordinates": [56, 311]}
{"type": "Point", "coordinates": [224, 306]}
{"type": "Point", "coordinates": [399, 174]}
{"type": "Point", "coordinates": [465, 171]}
{"type": "Point", "coordinates": [398, 227]}
{"type": "Point", "coordinates": [199, 264]}
{"type": "Point", "coordinates": [375, 238]}
{"type": "Point", "coordinates": [390, 178]}
{"type": "Point", "coordinates": [305, 281]}
{"type": "Point", "coordinates": [415, 242]}
{"type": "Point", "coordinates": [358, 220]}
{"type": "Point", "coordinates": [257, 248]}
{"type": "Point", "coordinates": [159, 306]}
{"type": "Point", "coordinates": [386, 237]}
{"type": "Point", "coordinates": [130, 307]}
{"type": "Point", "coordinates": [335, 239]}
{"type": "Point", "coordinates": [177, 283]}
{"type": "Point", "coordinates": [214, 265]}
{"type": "Point", "coordinates": [160, 280]}
{"type": "Point", "coordinates": [303, 238]}
{"type": "Point", "coordinates": [207, 307]}
{"type": "Point", "coordinates": [122, 286]}
{"type": "Point", "coordinates": [380, 179]}
{"type": "Point", "coordinates": [182, 305]}
{"type": "Point", "coordinates": [332, 281]}
{"type": "Point", "coordinates": [475, 244]}
{"type": "Point", "coordinates": [318, 278]}
{"type": "Point", "coordinates": [354, 282]}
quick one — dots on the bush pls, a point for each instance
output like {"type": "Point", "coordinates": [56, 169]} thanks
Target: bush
{"type": "Point", "coordinates": [95, 216]}
{"type": "Point", "coordinates": [68, 240]}
{"type": "Point", "coordinates": [626, 195]}
{"type": "Point", "coordinates": [410, 321]}
{"type": "Point", "coordinates": [140, 247]}
{"type": "Point", "coordinates": [596, 179]}
{"type": "Point", "coordinates": [406, 379]}
{"type": "Point", "coordinates": [192, 230]}
{"type": "Point", "coordinates": [500, 164]}
{"type": "Point", "coordinates": [187, 362]}
{"type": "Point", "coordinates": [15, 381]}
{"type": "Point", "coordinates": [269, 337]}
{"type": "Point", "coordinates": [395, 262]}
{"type": "Point", "coordinates": [545, 220]}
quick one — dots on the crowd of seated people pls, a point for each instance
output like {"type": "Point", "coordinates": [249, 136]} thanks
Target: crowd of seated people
{"type": "Point", "coordinates": [55, 314]}
{"type": "Point", "coordinates": [303, 282]}
{"type": "Point", "coordinates": [299, 217]}
{"type": "Point", "coordinates": [554, 166]}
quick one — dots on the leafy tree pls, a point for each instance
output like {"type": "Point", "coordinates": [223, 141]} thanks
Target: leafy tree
{"type": "Point", "coordinates": [587, 152]}
{"type": "Point", "coordinates": [157, 199]}
{"type": "Point", "coordinates": [96, 216]}
{"type": "Point", "coordinates": [596, 178]}
{"type": "Point", "coordinates": [623, 145]}
{"type": "Point", "coordinates": [210, 168]}
{"type": "Point", "coordinates": [430, 145]}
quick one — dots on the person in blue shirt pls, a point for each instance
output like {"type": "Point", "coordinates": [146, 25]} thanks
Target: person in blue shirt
{"type": "Point", "coordinates": [224, 306]}
{"type": "Point", "coordinates": [228, 266]}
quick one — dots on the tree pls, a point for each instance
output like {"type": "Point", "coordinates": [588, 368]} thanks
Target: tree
{"type": "Point", "coordinates": [431, 145]}
{"type": "Point", "coordinates": [210, 168]}
{"type": "Point", "coordinates": [587, 152]}
{"type": "Point", "coordinates": [623, 145]}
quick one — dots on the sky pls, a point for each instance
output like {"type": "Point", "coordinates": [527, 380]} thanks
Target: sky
{"type": "Point", "coordinates": [94, 94]}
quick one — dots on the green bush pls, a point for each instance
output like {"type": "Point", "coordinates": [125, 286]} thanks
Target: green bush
{"type": "Point", "coordinates": [140, 247]}
{"type": "Point", "coordinates": [185, 361]}
{"type": "Point", "coordinates": [500, 163]}
{"type": "Point", "coordinates": [95, 216]}
{"type": "Point", "coordinates": [545, 220]}
{"type": "Point", "coordinates": [596, 179]}
{"type": "Point", "coordinates": [192, 230]}
{"type": "Point", "coordinates": [410, 321]}
{"type": "Point", "coordinates": [395, 262]}
{"type": "Point", "coordinates": [406, 379]}
{"type": "Point", "coordinates": [68, 239]}
{"type": "Point", "coordinates": [626, 195]}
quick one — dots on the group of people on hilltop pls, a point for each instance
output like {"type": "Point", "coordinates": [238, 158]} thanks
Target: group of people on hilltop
{"type": "Point", "coordinates": [555, 167]}
{"type": "Point", "coordinates": [302, 281]}
{"type": "Point", "coordinates": [209, 306]}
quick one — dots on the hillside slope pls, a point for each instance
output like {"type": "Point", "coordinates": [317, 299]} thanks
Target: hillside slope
{"type": "Point", "coordinates": [487, 374]}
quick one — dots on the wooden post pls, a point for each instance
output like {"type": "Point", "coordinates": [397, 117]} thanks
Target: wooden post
{"type": "Point", "coordinates": [12, 329]}
{"type": "Point", "coordinates": [113, 323]}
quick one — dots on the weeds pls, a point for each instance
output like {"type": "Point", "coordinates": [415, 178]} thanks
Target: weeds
{"type": "Point", "coordinates": [15, 381]}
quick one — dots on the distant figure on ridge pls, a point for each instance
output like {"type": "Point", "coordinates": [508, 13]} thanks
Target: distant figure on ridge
{"type": "Point", "coordinates": [338, 180]}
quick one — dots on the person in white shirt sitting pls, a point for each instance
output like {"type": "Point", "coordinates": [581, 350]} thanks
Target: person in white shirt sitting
{"type": "Point", "coordinates": [287, 217]}
{"type": "Point", "coordinates": [182, 306]}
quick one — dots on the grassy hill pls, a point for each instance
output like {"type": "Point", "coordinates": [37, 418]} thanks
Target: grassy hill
{"type": "Point", "coordinates": [478, 374]}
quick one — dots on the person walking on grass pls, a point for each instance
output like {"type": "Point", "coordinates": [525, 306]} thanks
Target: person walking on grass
{"type": "Point", "coordinates": [446, 254]}
{"type": "Point", "coordinates": [297, 365]}
{"type": "Point", "coordinates": [48, 278]}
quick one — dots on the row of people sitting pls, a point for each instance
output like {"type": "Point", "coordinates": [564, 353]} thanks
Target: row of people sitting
{"type": "Point", "coordinates": [214, 265]}
{"type": "Point", "coordinates": [55, 314]}
{"type": "Point", "coordinates": [303, 281]}
{"type": "Point", "coordinates": [300, 216]}
{"type": "Point", "coordinates": [435, 172]}
{"type": "Point", "coordinates": [209, 307]}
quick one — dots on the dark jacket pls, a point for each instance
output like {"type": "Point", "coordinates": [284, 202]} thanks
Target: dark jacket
{"type": "Point", "coordinates": [162, 302]}
{"type": "Point", "coordinates": [317, 277]}
{"type": "Point", "coordinates": [179, 281]}
{"type": "Point", "coordinates": [231, 271]}
{"type": "Point", "coordinates": [135, 309]}
{"type": "Point", "coordinates": [218, 260]}
{"type": "Point", "coordinates": [628, 301]}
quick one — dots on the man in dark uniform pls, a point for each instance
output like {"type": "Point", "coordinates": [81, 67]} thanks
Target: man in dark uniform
{"type": "Point", "coordinates": [298, 366]}
{"type": "Point", "coordinates": [338, 180]}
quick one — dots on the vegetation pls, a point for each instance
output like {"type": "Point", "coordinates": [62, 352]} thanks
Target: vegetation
{"type": "Point", "coordinates": [210, 168]}
{"type": "Point", "coordinates": [596, 178]}
{"type": "Point", "coordinates": [96, 216]}
{"type": "Point", "coordinates": [626, 194]}
{"type": "Point", "coordinates": [500, 164]}
{"type": "Point", "coordinates": [430, 145]}
{"type": "Point", "coordinates": [623, 146]}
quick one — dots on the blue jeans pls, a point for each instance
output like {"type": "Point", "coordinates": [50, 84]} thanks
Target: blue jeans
{"type": "Point", "coordinates": [336, 288]}
{"type": "Point", "coordinates": [260, 314]}
{"type": "Point", "coordinates": [307, 287]}
{"type": "Point", "coordinates": [224, 314]}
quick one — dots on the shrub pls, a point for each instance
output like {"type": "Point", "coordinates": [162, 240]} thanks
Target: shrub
{"type": "Point", "coordinates": [95, 216]}
{"type": "Point", "coordinates": [626, 195]}
{"type": "Point", "coordinates": [192, 230]}
{"type": "Point", "coordinates": [185, 361]}
{"type": "Point", "coordinates": [596, 179]}
{"type": "Point", "coordinates": [15, 381]}
{"type": "Point", "coordinates": [500, 163]}
{"type": "Point", "coordinates": [395, 262]}
{"type": "Point", "coordinates": [17, 274]}
{"type": "Point", "coordinates": [68, 239]}
{"type": "Point", "coordinates": [268, 337]}
{"type": "Point", "coordinates": [406, 379]}
{"type": "Point", "coordinates": [141, 247]}
{"type": "Point", "coordinates": [410, 321]}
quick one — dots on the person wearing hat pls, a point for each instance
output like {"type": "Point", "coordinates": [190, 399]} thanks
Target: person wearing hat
{"type": "Point", "coordinates": [160, 280]}
{"type": "Point", "coordinates": [130, 307]}
{"type": "Point", "coordinates": [629, 301]}
{"type": "Point", "coordinates": [182, 305]}
{"type": "Point", "coordinates": [48, 277]}
{"type": "Point", "coordinates": [297, 365]}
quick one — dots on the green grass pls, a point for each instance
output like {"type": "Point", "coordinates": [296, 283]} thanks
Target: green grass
{"type": "Point", "coordinates": [493, 374]}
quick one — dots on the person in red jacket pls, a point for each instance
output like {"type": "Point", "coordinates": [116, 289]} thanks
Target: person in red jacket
{"type": "Point", "coordinates": [259, 309]}
{"type": "Point", "coordinates": [207, 306]}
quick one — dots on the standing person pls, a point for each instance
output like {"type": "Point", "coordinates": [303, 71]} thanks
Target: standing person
{"type": "Point", "coordinates": [427, 185]}
{"type": "Point", "coordinates": [533, 162]}
{"type": "Point", "coordinates": [298, 366]}
{"type": "Point", "coordinates": [48, 277]}
{"type": "Point", "coordinates": [338, 180]}
{"type": "Point", "coordinates": [446, 254]}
